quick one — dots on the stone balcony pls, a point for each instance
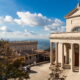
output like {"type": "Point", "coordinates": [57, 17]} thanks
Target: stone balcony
{"type": "Point", "coordinates": [65, 37]}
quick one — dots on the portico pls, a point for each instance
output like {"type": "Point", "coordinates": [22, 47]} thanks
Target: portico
{"type": "Point", "coordinates": [67, 50]}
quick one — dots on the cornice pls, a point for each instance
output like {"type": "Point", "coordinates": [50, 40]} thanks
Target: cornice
{"type": "Point", "coordinates": [66, 38]}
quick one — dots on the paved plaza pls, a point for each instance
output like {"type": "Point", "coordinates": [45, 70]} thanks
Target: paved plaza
{"type": "Point", "coordinates": [40, 72]}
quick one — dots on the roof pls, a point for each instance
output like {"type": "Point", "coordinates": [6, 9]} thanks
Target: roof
{"type": "Point", "coordinates": [69, 15]}
{"type": "Point", "coordinates": [39, 51]}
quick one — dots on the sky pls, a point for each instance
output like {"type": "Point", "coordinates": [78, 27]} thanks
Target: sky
{"type": "Point", "coordinates": [33, 19]}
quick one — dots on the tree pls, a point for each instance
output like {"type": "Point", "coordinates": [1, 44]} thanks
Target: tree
{"type": "Point", "coordinates": [10, 64]}
{"type": "Point", "coordinates": [14, 70]}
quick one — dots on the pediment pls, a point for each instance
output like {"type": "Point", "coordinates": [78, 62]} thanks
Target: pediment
{"type": "Point", "coordinates": [73, 13]}
{"type": "Point", "coordinates": [77, 13]}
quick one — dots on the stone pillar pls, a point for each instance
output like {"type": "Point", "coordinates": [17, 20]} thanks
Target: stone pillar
{"type": "Point", "coordinates": [62, 56]}
{"type": "Point", "coordinates": [79, 58]}
{"type": "Point", "coordinates": [72, 57]}
{"type": "Point", "coordinates": [51, 53]}
{"type": "Point", "coordinates": [56, 54]}
{"type": "Point", "coordinates": [66, 54]}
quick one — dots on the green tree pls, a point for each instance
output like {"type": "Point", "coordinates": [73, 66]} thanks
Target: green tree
{"type": "Point", "coordinates": [10, 65]}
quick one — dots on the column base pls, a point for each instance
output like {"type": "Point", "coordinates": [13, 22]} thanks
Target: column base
{"type": "Point", "coordinates": [72, 70]}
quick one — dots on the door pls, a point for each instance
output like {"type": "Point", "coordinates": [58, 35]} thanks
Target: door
{"type": "Point", "coordinates": [76, 59]}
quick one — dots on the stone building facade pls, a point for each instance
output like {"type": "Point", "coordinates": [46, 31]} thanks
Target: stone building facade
{"type": "Point", "coordinates": [29, 50]}
{"type": "Point", "coordinates": [26, 49]}
{"type": "Point", "coordinates": [42, 55]}
{"type": "Point", "coordinates": [24, 45]}
{"type": "Point", "coordinates": [67, 44]}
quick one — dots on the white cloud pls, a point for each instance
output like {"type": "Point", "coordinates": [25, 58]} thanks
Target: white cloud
{"type": "Point", "coordinates": [20, 35]}
{"type": "Point", "coordinates": [4, 29]}
{"type": "Point", "coordinates": [8, 19]}
{"type": "Point", "coordinates": [47, 28]}
{"type": "Point", "coordinates": [55, 29]}
{"type": "Point", "coordinates": [32, 19]}
{"type": "Point", "coordinates": [56, 26]}
{"type": "Point", "coordinates": [7, 34]}
{"type": "Point", "coordinates": [1, 19]}
{"type": "Point", "coordinates": [30, 32]}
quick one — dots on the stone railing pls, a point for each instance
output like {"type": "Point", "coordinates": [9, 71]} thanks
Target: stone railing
{"type": "Point", "coordinates": [65, 35]}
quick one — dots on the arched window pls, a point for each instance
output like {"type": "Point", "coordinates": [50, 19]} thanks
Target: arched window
{"type": "Point", "coordinates": [76, 29]}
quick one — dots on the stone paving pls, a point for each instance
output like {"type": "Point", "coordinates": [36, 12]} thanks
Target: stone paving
{"type": "Point", "coordinates": [40, 72]}
{"type": "Point", "coordinates": [73, 76]}
{"type": "Point", "coordinates": [69, 75]}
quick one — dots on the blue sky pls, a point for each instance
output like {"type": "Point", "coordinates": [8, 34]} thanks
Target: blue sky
{"type": "Point", "coordinates": [33, 19]}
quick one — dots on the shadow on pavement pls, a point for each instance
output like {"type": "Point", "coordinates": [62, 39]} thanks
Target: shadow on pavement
{"type": "Point", "coordinates": [32, 71]}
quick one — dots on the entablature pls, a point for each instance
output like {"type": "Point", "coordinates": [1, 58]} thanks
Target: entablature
{"type": "Point", "coordinates": [66, 35]}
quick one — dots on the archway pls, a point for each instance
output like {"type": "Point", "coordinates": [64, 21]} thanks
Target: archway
{"type": "Point", "coordinates": [76, 29]}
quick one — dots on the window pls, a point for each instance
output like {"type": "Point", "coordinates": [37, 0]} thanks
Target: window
{"type": "Point", "coordinates": [76, 29]}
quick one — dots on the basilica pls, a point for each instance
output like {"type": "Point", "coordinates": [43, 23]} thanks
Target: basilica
{"type": "Point", "coordinates": [67, 44]}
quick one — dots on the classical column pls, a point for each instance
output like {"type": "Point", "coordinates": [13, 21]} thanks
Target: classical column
{"type": "Point", "coordinates": [79, 58]}
{"type": "Point", "coordinates": [51, 53]}
{"type": "Point", "coordinates": [66, 53]}
{"type": "Point", "coordinates": [72, 57]}
{"type": "Point", "coordinates": [62, 56]}
{"type": "Point", "coordinates": [56, 54]}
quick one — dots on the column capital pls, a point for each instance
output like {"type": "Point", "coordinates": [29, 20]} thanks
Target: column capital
{"type": "Point", "coordinates": [72, 43]}
{"type": "Point", "coordinates": [62, 43]}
